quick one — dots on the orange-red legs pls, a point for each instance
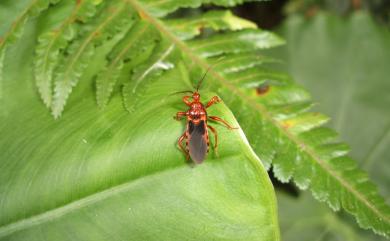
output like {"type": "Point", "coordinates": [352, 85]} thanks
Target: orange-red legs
{"type": "Point", "coordinates": [180, 142]}
{"type": "Point", "coordinates": [196, 135]}
{"type": "Point", "coordinates": [186, 101]}
{"type": "Point", "coordinates": [179, 115]}
{"type": "Point", "coordinates": [213, 100]}
{"type": "Point", "coordinates": [214, 131]}
{"type": "Point", "coordinates": [216, 118]}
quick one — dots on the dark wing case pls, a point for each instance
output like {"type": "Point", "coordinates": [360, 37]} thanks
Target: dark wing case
{"type": "Point", "coordinates": [197, 141]}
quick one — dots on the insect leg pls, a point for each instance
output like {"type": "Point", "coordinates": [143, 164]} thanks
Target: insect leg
{"type": "Point", "coordinates": [216, 118]}
{"type": "Point", "coordinates": [186, 101]}
{"type": "Point", "coordinates": [213, 100]}
{"type": "Point", "coordinates": [180, 142]}
{"type": "Point", "coordinates": [179, 115]}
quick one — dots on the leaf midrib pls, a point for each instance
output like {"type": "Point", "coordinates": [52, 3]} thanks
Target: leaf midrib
{"type": "Point", "coordinates": [36, 219]}
{"type": "Point", "coordinates": [258, 107]}
{"type": "Point", "coordinates": [60, 211]}
{"type": "Point", "coordinates": [77, 204]}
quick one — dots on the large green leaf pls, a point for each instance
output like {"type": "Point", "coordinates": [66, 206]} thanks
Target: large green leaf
{"type": "Point", "coordinates": [143, 60]}
{"type": "Point", "coordinates": [113, 175]}
{"type": "Point", "coordinates": [352, 89]}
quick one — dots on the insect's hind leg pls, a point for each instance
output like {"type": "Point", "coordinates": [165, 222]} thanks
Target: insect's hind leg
{"type": "Point", "coordinates": [214, 131]}
{"type": "Point", "coordinates": [216, 118]}
{"type": "Point", "coordinates": [180, 142]}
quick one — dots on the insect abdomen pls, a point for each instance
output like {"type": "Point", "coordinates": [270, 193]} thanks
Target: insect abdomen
{"type": "Point", "coordinates": [197, 140]}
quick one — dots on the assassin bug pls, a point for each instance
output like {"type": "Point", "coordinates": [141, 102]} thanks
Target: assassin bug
{"type": "Point", "coordinates": [196, 134]}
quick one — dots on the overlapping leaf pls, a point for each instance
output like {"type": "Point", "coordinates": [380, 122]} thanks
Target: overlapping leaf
{"type": "Point", "coordinates": [274, 113]}
{"type": "Point", "coordinates": [13, 33]}
{"type": "Point", "coordinates": [190, 27]}
{"type": "Point", "coordinates": [113, 20]}
{"type": "Point", "coordinates": [357, 81]}
{"type": "Point", "coordinates": [52, 42]}
{"type": "Point", "coordinates": [127, 51]}
{"type": "Point", "coordinates": [160, 8]}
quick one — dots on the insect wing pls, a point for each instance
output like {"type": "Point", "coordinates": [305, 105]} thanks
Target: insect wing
{"type": "Point", "coordinates": [197, 141]}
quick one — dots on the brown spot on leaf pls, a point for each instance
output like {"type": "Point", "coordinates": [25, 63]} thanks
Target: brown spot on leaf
{"type": "Point", "coordinates": [262, 89]}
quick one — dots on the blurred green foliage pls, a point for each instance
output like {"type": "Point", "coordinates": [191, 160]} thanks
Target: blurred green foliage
{"type": "Point", "coordinates": [379, 8]}
{"type": "Point", "coordinates": [344, 62]}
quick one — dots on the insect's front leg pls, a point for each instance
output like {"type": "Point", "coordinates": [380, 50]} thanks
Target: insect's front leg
{"type": "Point", "coordinates": [216, 118]}
{"type": "Point", "coordinates": [180, 115]}
{"type": "Point", "coordinates": [213, 101]}
{"type": "Point", "coordinates": [186, 101]}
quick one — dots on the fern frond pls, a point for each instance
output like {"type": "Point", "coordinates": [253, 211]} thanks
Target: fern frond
{"type": "Point", "coordinates": [321, 165]}
{"type": "Point", "coordinates": [234, 42]}
{"type": "Point", "coordinates": [217, 20]}
{"type": "Point", "coordinates": [324, 168]}
{"type": "Point", "coordinates": [240, 61]}
{"type": "Point", "coordinates": [32, 10]}
{"type": "Point", "coordinates": [287, 144]}
{"type": "Point", "coordinates": [145, 73]}
{"type": "Point", "coordinates": [142, 33]}
{"type": "Point", "coordinates": [161, 8]}
{"type": "Point", "coordinates": [52, 42]}
{"type": "Point", "coordinates": [112, 21]}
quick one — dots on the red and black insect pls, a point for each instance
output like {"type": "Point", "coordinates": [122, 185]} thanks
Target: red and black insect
{"type": "Point", "coordinates": [196, 134]}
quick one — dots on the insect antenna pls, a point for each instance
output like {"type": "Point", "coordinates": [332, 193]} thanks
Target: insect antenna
{"type": "Point", "coordinates": [208, 69]}
{"type": "Point", "coordinates": [181, 92]}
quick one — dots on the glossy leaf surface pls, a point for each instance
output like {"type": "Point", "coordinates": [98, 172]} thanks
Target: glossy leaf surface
{"type": "Point", "coordinates": [99, 174]}
{"type": "Point", "coordinates": [272, 109]}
